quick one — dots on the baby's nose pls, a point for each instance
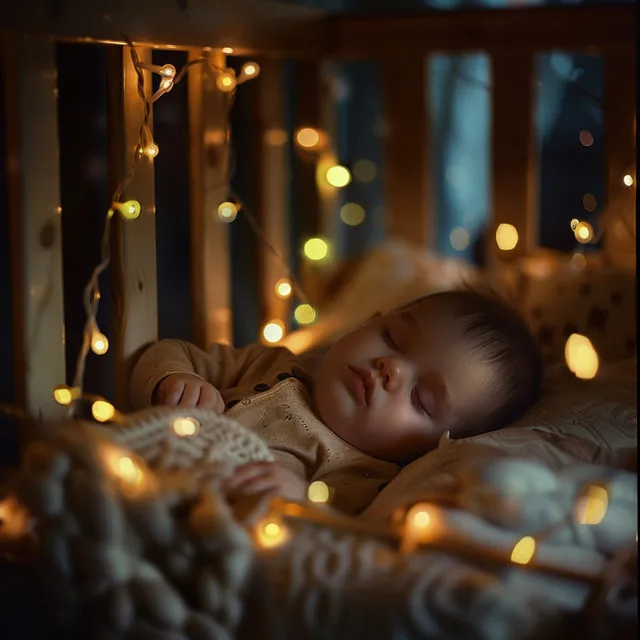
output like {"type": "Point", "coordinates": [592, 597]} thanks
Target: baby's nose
{"type": "Point", "coordinates": [391, 371]}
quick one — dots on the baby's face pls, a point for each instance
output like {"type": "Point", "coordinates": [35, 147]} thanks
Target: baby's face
{"type": "Point", "coordinates": [392, 387]}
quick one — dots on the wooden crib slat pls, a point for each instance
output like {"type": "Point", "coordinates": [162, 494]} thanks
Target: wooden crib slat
{"type": "Point", "coordinates": [133, 241]}
{"type": "Point", "coordinates": [409, 207]}
{"type": "Point", "coordinates": [34, 209]}
{"type": "Point", "coordinates": [208, 175]}
{"type": "Point", "coordinates": [620, 149]}
{"type": "Point", "coordinates": [273, 188]}
{"type": "Point", "coordinates": [513, 151]}
{"type": "Point", "coordinates": [307, 201]}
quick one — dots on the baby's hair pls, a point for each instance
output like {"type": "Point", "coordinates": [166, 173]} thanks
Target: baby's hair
{"type": "Point", "coordinates": [499, 335]}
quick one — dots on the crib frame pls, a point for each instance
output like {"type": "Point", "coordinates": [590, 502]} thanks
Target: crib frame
{"type": "Point", "coordinates": [272, 31]}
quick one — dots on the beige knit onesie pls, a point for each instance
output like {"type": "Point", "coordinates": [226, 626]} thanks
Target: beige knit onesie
{"type": "Point", "coordinates": [267, 391]}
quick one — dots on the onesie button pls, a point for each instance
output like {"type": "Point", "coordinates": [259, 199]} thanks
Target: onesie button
{"type": "Point", "coordinates": [232, 404]}
{"type": "Point", "coordinates": [262, 386]}
{"type": "Point", "coordinates": [283, 376]}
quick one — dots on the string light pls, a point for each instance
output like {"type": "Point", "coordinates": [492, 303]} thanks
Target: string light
{"type": "Point", "coordinates": [574, 223]}
{"type": "Point", "coordinates": [583, 232]}
{"type": "Point", "coordinates": [459, 238]}
{"type": "Point", "coordinates": [338, 176]}
{"type": "Point", "coordinates": [586, 138]}
{"type": "Point", "coordinates": [578, 261]}
{"type": "Point", "coordinates": [102, 411]}
{"type": "Point", "coordinates": [316, 249]}
{"type": "Point", "coordinates": [304, 314]}
{"type": "Point", "coordinates": [581, 357]}
{"type": "Point", "coordinates": [226, 80]}
{"type": "Point", "coordinates": [186, 426]}
{"type": "Point", "coordinates": [364, 170]}
{"type": "Point", "coordinates": [151, 150]}
{"type": "Point", "coordinates": [99, 343]}
{"type": "Point", "coordinates": [352, 214]}
{"type": "Point", "coordinates": [524, 551]}
{"type": "Point", "coordinates": [318, 492]}
{"type": "Point", "coordinates": [283, 288]}
{"type": "Point", "coordinates": [227, 50]}
{"type": "Point", "coordinates": [506, 237]}
{"type": "Point", "coordinates": [273, 331]}
{"type": "Point", "coordinates": [128, 470]}
{"type": "Point", "coordinates": [592, 507]}
{"type": "Point", "coordinates": [589, 202]}
{"type": "Point", "coordinates": [65, 395]}
{"type": "Point", "coordinates": [227, 211]}
{"type": "Point", "coordinates": [168, 71]}
{"type": "Point", "coordinates": [271, 533]}
{"type": "Point", "coordinates": [130, 210]}
{"type": "Point", "coordinates": [420, 524]}
{"type": "Point", "coordinates": [308, 138]}
{"type": "Point", "coordinates": [248, 71]}
{"type": "Point", "coordinates": [628, 180]}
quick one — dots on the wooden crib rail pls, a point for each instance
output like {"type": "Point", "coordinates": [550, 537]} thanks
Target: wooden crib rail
{"type": "Point", "coordinates": [264, 26]}
{"type": "Point", "coordinates": [574, 28]}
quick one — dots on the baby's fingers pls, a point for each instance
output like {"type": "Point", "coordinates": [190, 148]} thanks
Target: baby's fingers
{"type": "Point", "coordinates": [190, 394]}
{"type": "Point", "coordinates": [170, 391]}
{"type": "Point", "coordinates": [246, 473]}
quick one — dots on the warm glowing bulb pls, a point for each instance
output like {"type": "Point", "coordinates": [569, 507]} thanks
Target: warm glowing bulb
{"type": "Point", "coordinates": [523, 551]}
{"type": "Point", "coordinates": [186, 426]}
{"type": "Point", "coordinates": [271, 534]}
{"type": "Point", "coordinates": [318, 491]}
{"type": "Point", "coordinates": [273, 331]}
{"type": "Point", "coordinates": [586, 138]}
{"type": "Point", "coordinates": [99, 343]}
{"type": "Point", "coordinates": [578, 261]}
{"type": "Point", "coordinates": [506, 237]}
{"type": "Point", "coordinates": [102, 410]}
{"type": "Point", "coordinates": [364, 170]}
{"type": "Point", "coordinates": [283, 288]}
{"type": "Point", "coordinates": [338, 176]}
{"type": "Point", "coordinates": [574, 223]}
{"type": "Point", "coordinates": [250, 69]}
{"type": "Point", "coordinates": [316, 249]}
{"type": "Point", "coordinates": [166, 84]}
{"type": "Point", "coordinates": [581, 357]}
{"type": "Point", "coordinates": [168, 71]}
{"type": "Point", "coordinates": [583, 232]}
{"type": "Point", "coordinates": [352, 214]}
{"type": "Point", "coordinates": [304, 314]}
{"type": "Point", "coordinates": [128, 470]}
{"type": "Point", "coordinates": [628, 180]}
{"type": "Point", "coordinates": [459, 239]}
{"type": "Point", "coordinates": [151, 150]}
{"type": "Point", "coordinates": [226, 80]}
{"type": "Point", "coordinates": [421, 520]}
{"type": "Point", "coordinates": [227, 211]}
{"type": "Point", "coordinates": [64, 395]}
{"type": "Point", "coordinates": [227, 50]}
{"type": "Point", "coordinates": [130, 209]}
{"type": "Point", "coordinates": [592, 506]}
{"type": "Point", "coordinates": [307, 137]}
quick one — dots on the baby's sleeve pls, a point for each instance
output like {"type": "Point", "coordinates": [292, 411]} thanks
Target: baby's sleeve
{"type": "Point", "coordinates": [222, 366]}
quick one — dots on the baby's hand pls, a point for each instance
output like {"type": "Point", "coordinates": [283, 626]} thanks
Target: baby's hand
{"type": "Point", "coordinates": [188, 390]}
{"type": "Point", "coordinates": [265, 478]}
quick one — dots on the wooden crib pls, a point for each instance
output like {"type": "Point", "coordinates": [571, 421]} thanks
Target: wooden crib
{"type": "Point", "coordinates": [271, 32]}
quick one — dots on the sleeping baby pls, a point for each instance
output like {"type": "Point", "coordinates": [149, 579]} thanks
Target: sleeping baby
{"type": "Point", "coordinates": [383, 395]}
